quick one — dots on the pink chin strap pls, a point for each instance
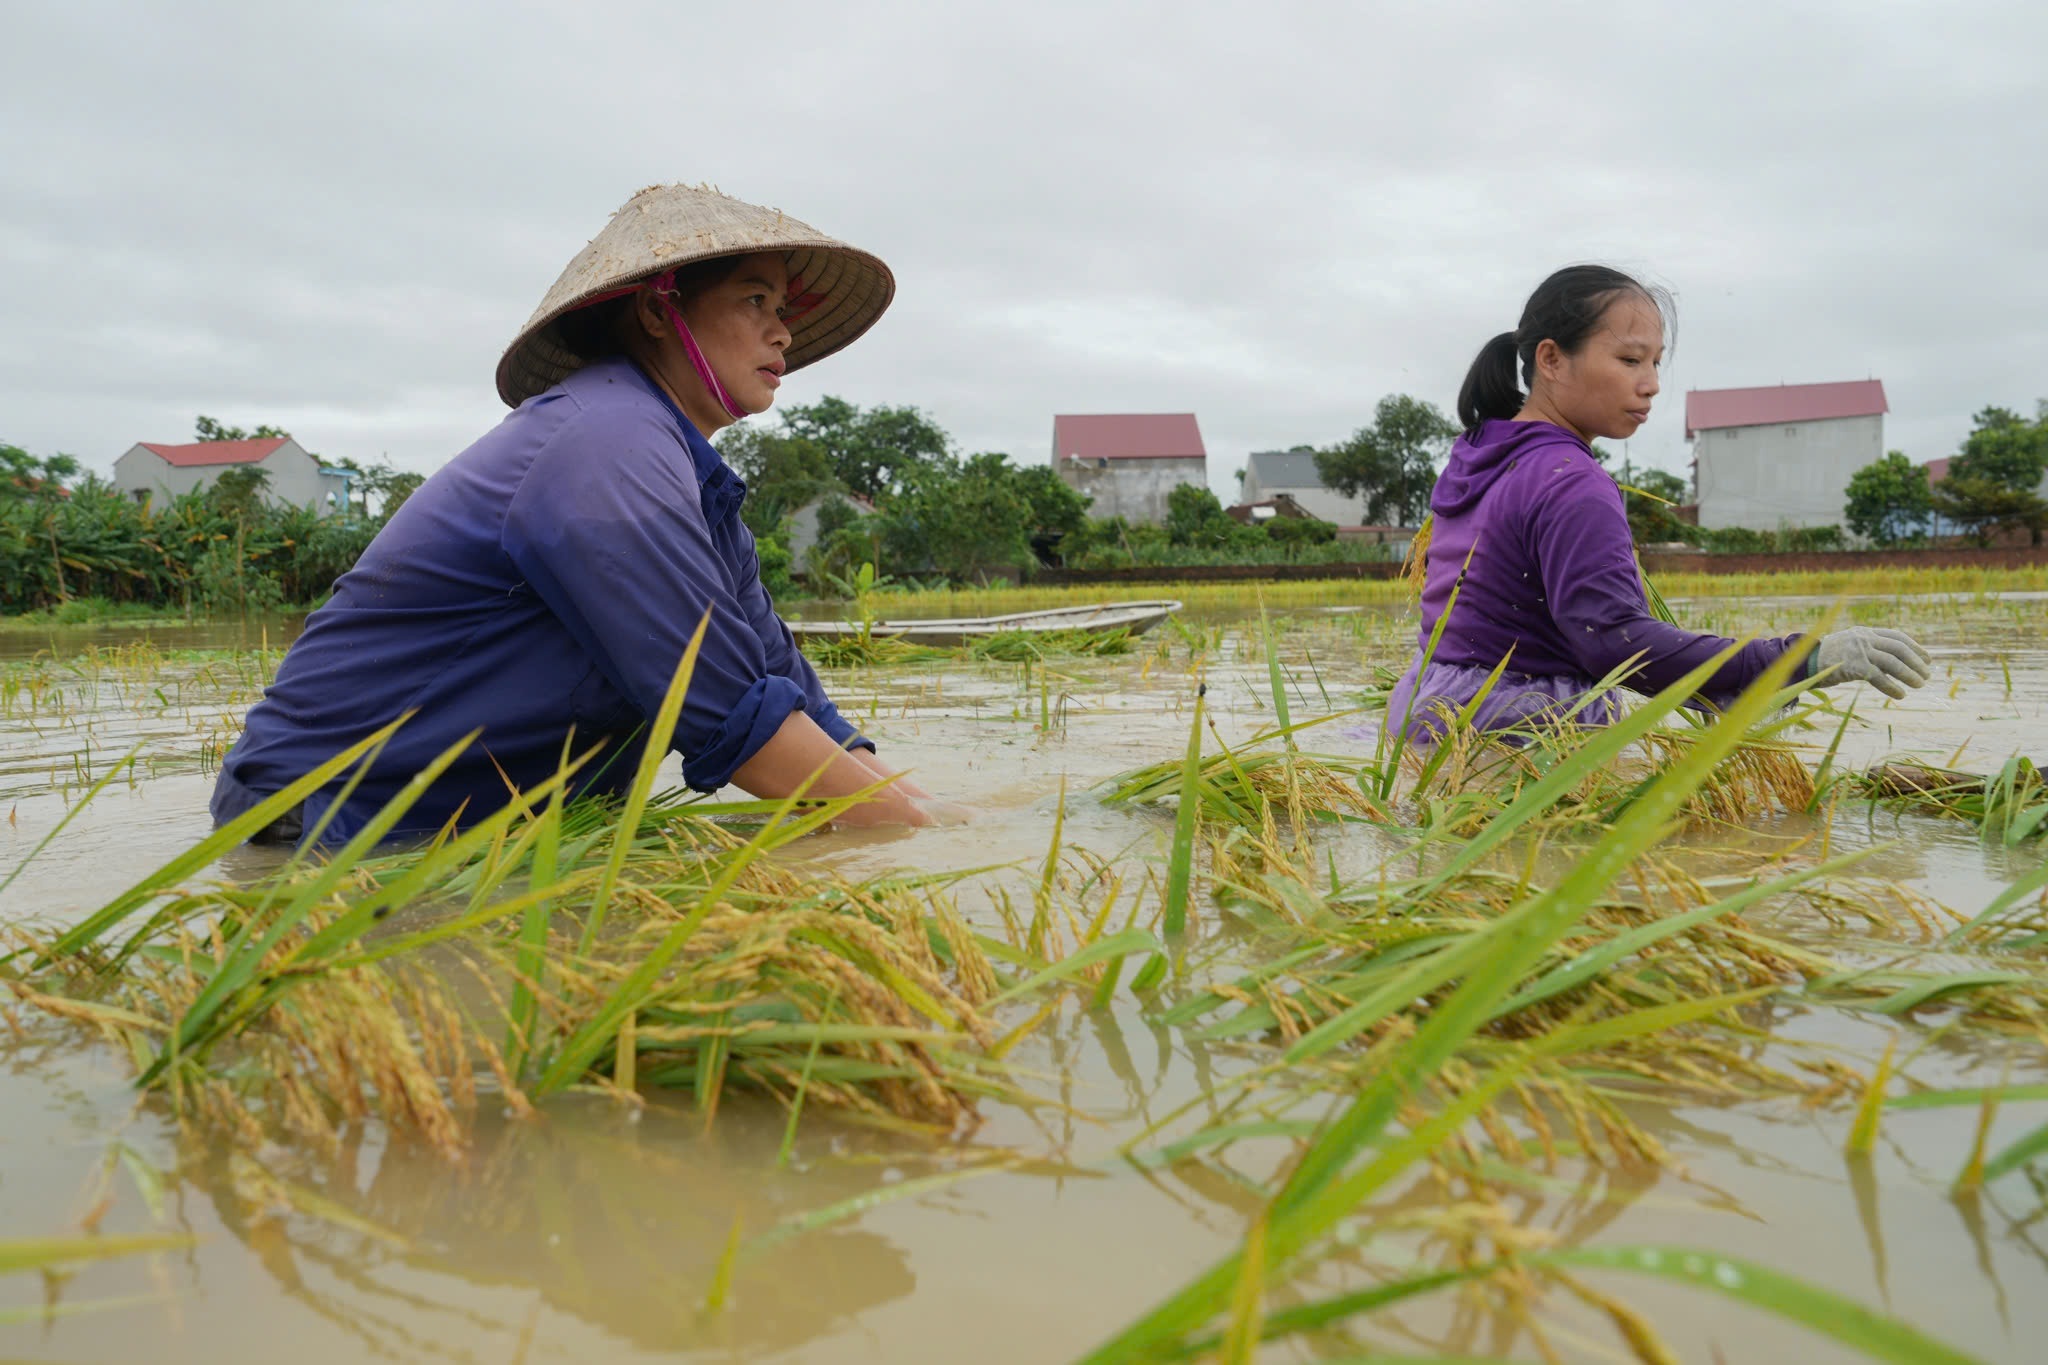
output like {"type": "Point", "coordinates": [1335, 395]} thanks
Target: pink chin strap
{"type": "Point", "coordinates": [798, 304]}
{"type": "Point", "coordinates": [664, 285]}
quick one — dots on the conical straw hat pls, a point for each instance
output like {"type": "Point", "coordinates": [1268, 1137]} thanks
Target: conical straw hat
{"type": "Point", "coordinates": [666, 226]}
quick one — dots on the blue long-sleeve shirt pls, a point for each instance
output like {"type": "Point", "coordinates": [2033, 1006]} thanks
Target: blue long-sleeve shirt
{"type": "Point", "coordinates": [547, 579]}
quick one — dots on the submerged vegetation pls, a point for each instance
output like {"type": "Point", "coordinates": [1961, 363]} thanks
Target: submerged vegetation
{"type": "Point", "coordinates": [1429, 983]}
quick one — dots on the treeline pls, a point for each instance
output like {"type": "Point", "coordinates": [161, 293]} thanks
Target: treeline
{"type": "Point", "coordinates": [1993, 486]}
{"type": "Point", "coordinates": [886, 486]}
{"type": "Point", "coordinates": [75, 541]}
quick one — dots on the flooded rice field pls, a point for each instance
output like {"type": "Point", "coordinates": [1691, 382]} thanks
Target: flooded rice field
{"type": "Point", "coordinates": [1729, 1101]}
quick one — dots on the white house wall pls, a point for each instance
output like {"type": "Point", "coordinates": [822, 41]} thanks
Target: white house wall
{"type": "Point", "coordinates": [1318, 501]}
{"type": "Point", "coordinates": [1135, 490]}
{"type": "Point", "coordinates": [1767, 478]}
{"type": "Point", "coordinates": [295, 477]}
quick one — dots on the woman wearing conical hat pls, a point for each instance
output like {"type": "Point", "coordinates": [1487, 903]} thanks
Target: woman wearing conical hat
{"type": "Point", "coordinates": [541, 587]}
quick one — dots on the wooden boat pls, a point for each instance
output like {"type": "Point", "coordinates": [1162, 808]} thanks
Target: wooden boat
{"type": "Point", "coordinates": [1098, 618]}
{"type": "Point", "coordinates": [1910, 780]}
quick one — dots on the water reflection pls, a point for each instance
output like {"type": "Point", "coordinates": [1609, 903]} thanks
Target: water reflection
{"type": "Point", "coordinates": [617, 1222]}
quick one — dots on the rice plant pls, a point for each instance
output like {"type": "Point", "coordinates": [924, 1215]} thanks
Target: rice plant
{"type": "Point", "coordinates": [1400, 1111]}
{"type": "Point", "coordinates": [541, 948]}
{"type": "Point", "coordinates": [1432, 980]}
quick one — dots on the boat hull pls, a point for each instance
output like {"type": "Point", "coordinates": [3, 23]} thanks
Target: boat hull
{"type": "Point", "coordinates": [1096, 618]}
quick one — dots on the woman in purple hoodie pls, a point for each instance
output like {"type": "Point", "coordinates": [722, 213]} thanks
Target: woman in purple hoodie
{"type": "Point", "coordinates": [1532, 533]}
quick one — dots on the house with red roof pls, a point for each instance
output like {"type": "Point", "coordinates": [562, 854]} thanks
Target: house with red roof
{"type": "Point", "coordinates": [1129, 462]}
{"type": "Point", "coordinates": [1768, 459]}
{"type": "Point", "coordinates": [150, 470]}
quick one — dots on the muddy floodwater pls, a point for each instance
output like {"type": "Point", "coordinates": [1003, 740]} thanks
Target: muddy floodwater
{"type": "Point", "coordinates": [595, 1231]}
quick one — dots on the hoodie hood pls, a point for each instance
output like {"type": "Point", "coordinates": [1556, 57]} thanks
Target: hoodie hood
{"type": "Point", "coordinates": [1479, 458]}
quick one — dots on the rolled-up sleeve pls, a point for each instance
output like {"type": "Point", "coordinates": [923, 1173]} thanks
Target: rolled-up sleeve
{"type": "Point", "coordinates": [786, 659]}
{"type": "Point", "coordinates": [608, 528]}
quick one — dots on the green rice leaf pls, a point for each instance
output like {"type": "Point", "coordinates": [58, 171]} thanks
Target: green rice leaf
{"type": "Point", "coordinates": [1874, 1334]}
{"type": "Point", "coordinates": [1180, 861]}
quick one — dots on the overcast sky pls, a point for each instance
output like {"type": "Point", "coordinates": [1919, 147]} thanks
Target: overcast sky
{"type": "Point", "coordinates": [334, 218]}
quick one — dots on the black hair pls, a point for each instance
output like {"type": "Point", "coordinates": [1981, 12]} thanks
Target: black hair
{"type": "Point", "coordinates": [1566, 309]}
{"type": "Point", "coordinates": [601, 329]}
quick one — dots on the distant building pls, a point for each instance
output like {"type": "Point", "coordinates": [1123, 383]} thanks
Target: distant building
{"type": "Point", "coordinates": [1773, 458]}
{"type": "Point", "coordinates": [803, 523]}
{"type": "Point", "coordinates": [1129, 462]}
{"type": "Point", "coordinates": [1292, 473]}
{"type": "Point", "coordinates": [297, 478]}
{"type": "Point", "coordinates": [1280, 505]}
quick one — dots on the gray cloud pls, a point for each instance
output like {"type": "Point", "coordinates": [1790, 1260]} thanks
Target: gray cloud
{"type": "Point", "coordinates": [335, 219]}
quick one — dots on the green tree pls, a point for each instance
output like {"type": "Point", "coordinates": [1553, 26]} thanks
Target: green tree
{"type": "Point", "coordinates": [394, 486]}
{"type": "Point", "coordinates": [1889, 500]}
{"type": "Point", "coordinates": [1190, 510]}
{"type": "Point", "coordinates": [2005, 449]}
{"type": "Point", "coordinates": [238, 491]}
{"type": "Point", "coordinates": [1300, 531]}
{"type": "Point", "coordinates": [206, 429]}
{"type": "Point", "coordinates": [846, 540]}
{"type": "Point", "coordinates": [1994, 481]}
{"type": "Point", "coordinates": [783, 473]}
{"type": "Point", "coordinates": [1195, 518]}
{"type": "Point", "coordinates": [871, 451]}
{"type": "Point", "coordinates": [1393, 463]}
{"type": "Point", "coordinates": [388, 485]}
{"type": "Point", "coordinates": [1982, 507]}
{"type": "Point", "coordinates": [1054, 506]}
{"type": "Point", "coordinates": [26, 475]}
{"type": "Point", "coordinates": [968, 520]}
{"type": "Point", "coordinates": [1651, 498]}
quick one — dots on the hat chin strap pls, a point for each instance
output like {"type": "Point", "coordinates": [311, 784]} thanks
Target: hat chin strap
{"type": "Point", "coordinates": [664, 285]}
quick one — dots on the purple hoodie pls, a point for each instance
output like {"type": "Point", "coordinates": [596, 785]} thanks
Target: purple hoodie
{"type": "Point", "coordinates": [1552, 577]}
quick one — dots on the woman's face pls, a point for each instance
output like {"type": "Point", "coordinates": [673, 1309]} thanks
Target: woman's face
{"type": "Point", "coordinates": [1607, 387]}
{"type": "Point", "coordinates": [738, 325]}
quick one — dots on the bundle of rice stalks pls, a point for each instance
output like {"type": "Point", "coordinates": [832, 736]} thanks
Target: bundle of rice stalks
{"type": "Point", "coordinates": [1356, 969]}
{"type": "Point", "coordinates": [880, 981]}
{"type": "Point", "coordinates": [1462, 781]}
{"type": "Point", "coordinates": [405, 1027]}
{"type": "Point", "coordinates": [1018, 646]}
{"type": "Point", "coordinates": [1247, 788]}
{"type": "Point", "coordinates": [542, 946]}
{"type": "Point", "coordinates": [865, 650]}
{"type": "Point", "coordinates": [1445, 1021]}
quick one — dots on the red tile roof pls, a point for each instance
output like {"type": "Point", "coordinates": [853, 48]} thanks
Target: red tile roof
{"type": "Point", "coordinates": [1708, 409]}
{"type": "Point", "coordinates": [1937, 470]}
{"type": "Point", "coordinates": [217, 452]}
{"type": "Point", "coordinates": [1127, 436]}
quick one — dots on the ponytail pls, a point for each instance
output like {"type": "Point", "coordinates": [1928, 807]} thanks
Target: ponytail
{"type": "Point", "coordinates": [1490, 392]}
{"type": "Point", "coordinates": [1566, 309]}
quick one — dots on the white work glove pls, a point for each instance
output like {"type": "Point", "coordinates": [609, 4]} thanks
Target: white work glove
{"type": "Point", "coordinates": [1889, 660]}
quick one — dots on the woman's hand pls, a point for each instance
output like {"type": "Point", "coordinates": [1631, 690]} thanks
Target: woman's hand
{"type": "Point", "coordinates": [1889, 660]}
{"type": "Point", "coordinates": [799, 753]}
{"type": "Point", "coordinates": [800, 756]}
